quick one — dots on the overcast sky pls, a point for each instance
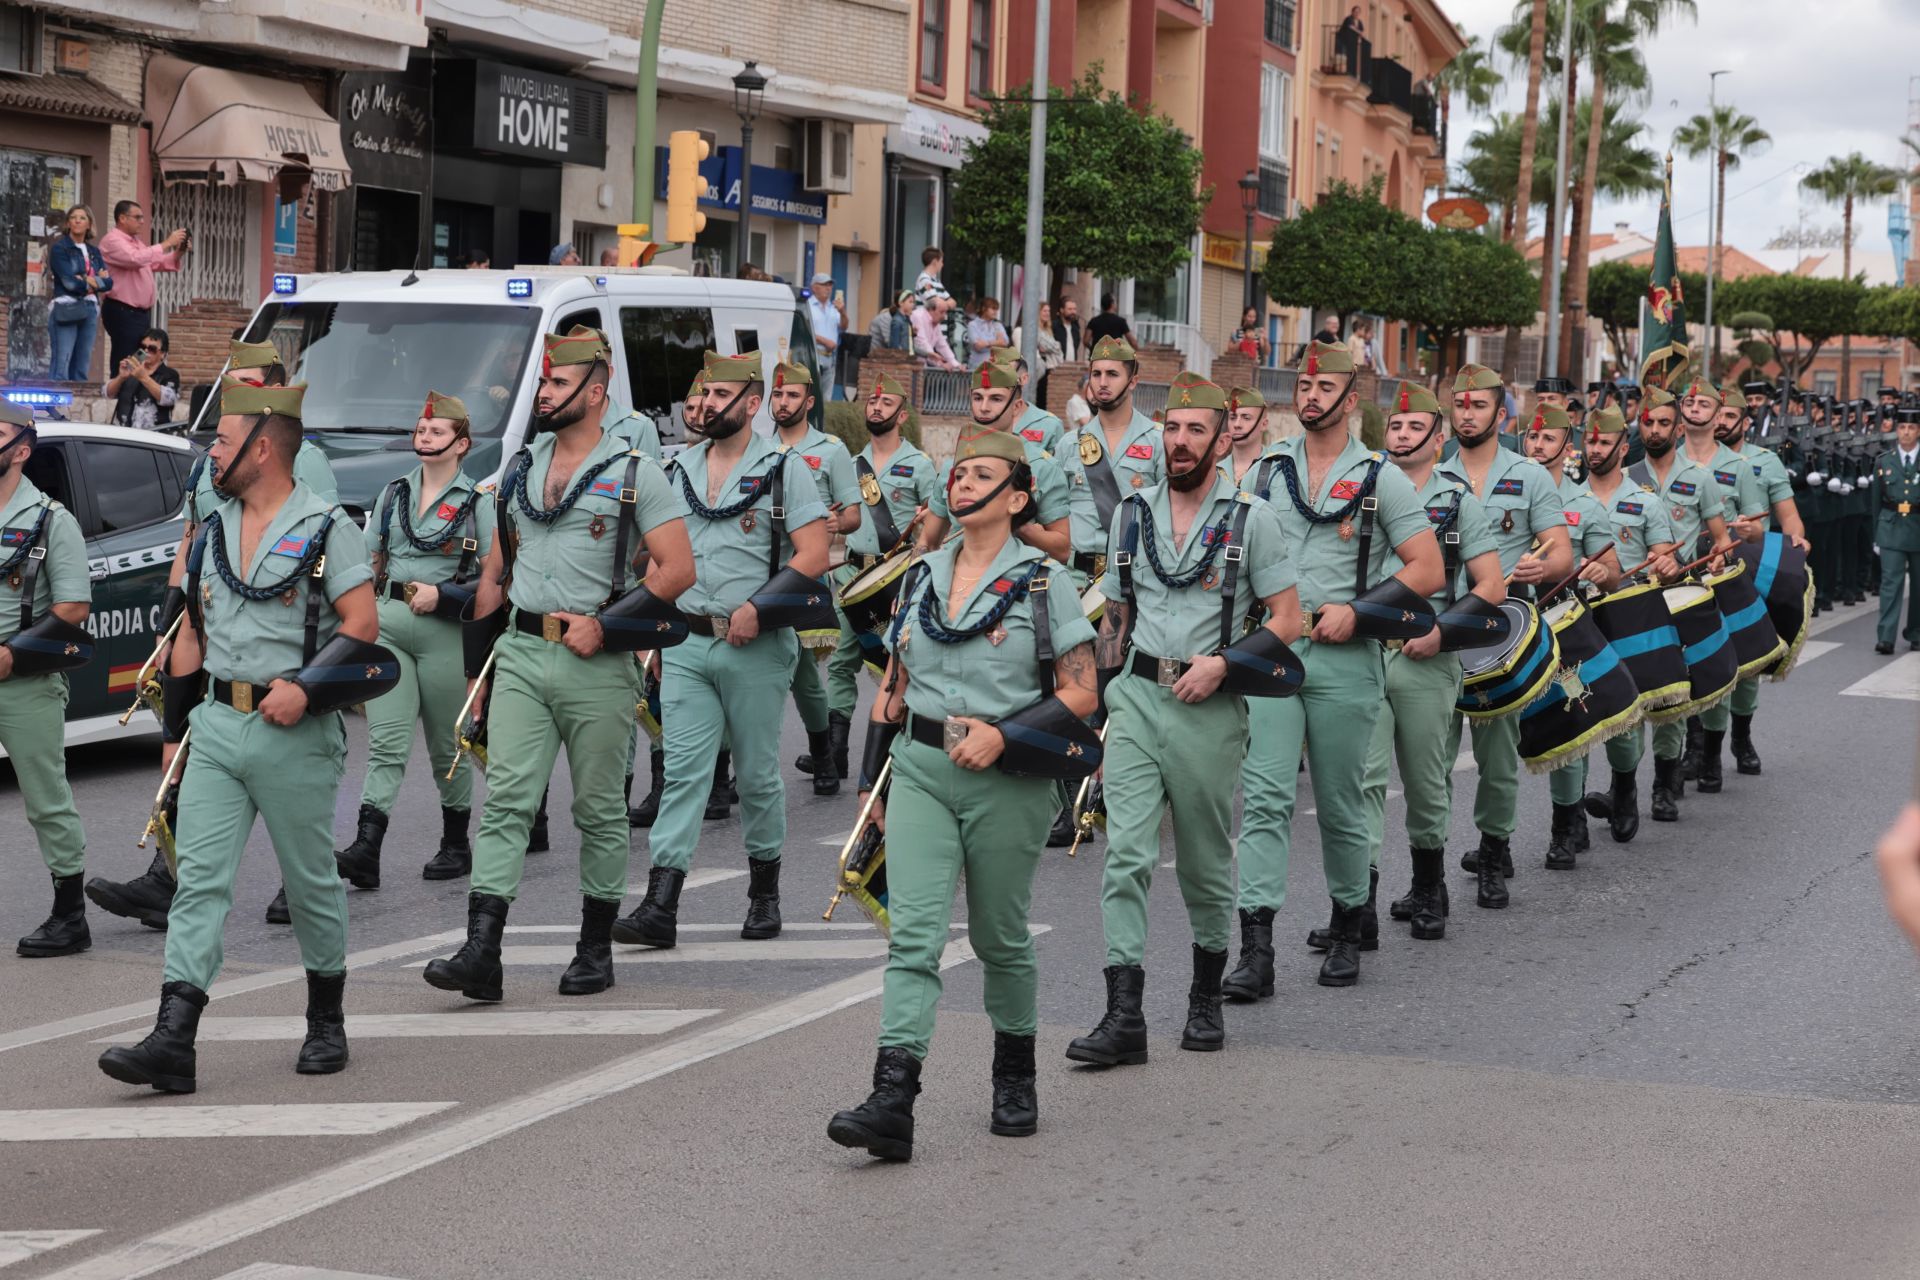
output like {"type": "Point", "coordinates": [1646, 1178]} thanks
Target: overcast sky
{"type": "Point", "coordinates": [1824, 79]}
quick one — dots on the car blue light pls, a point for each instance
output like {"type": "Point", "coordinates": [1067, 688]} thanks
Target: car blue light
{"type": "Point", "coordinates": [38, 399]}
{"type": "Point", "coordinates": [519, 287]}
{"type": "Point", "coordinates": [284, 284]}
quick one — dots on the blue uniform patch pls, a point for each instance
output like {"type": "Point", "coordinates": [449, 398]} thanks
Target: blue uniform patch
{"type": "Point", "coordinates": [1438, 515]}
{"type": "Point", "coordinates": [750, 486]}
{"type": "Point", "coordinates": [289, 546]}
{"type": "Point", "coordinates": [1627, 508]}
{"type": "Point", "coordinates": [1729, 478]}
{"type": "Point", "coordinates": [1511, 487]}
{"type": "Point", "coordinates": [1756, 468]}
{"type": "Point", "coordinates": [1685, 488]}
{"type": "Point", "coordinates": [14, 537]}
{"type": "Point", "coordinates": [901, 469]}
{"type": "Point", "coordinates": [1215, 533]}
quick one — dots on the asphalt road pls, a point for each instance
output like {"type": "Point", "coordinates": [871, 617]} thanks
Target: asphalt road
{"type": "Point", "coordinates": [1691, 1056]}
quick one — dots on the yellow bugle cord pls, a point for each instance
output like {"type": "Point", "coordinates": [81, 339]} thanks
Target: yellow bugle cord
{"type": "Point", "coordinates": [461, 743]}
{"type": "Point", "coordinates": [1082, 822]}
{"type": "Point", "coordinates": [150, 668]}
{"type": "Point", "coordinates": [859, 825]}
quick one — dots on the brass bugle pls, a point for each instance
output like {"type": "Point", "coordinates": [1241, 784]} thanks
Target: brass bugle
{"type": "Point", "coordinates": [461, 742]}
{"type": "Point", "coordinates": [859, 825]}
{"type": "Point", "coordinates": [1082, 820]}
{"type": "Point", "coordinates": [150, 668]}
{"type": "Point", "coordinates": [167, 779]}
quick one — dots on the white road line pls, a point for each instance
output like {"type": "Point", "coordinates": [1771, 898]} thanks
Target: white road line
{"type": "Point", "coordinates": [472, 1021]}
{"type": "Point", "coordinates": [18, 1246]}
{"type": "Point", "coordinates": [280, 1120]}
{"type": "Point", "coordinates": [191, 1239]}
{"type": "Point", "coordinates": [791, 926]}
{"type": "Point", "coordinates": [694, 880]}
{"type": "Point", "coordinates": [85, 1022]}
{"type": "Point", "coordinates": [284, 1271]}
{"type": "Point", "coordinates": [1811, 649]}
{"type": "Point", "coordinates": [736, 951]}
{"type": "Point", "coordinates": [1836, 618]}
{"type": "Point", "coordinates": [1897, 679]}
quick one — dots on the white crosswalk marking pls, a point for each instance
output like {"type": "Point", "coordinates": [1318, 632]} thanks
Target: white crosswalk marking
{"type": "Point", "coordinates": [1812, 649]}
{"type": "Point", "coordinates": [288, 1120]}
{"type": "Point", "coordinates": [474, 1021]}
{"type": "Point", "coordinates": [694, 880]}
{"type": "Point", "coordinates": [870, 947]}
{"type": "Point", "coordinates": [285, 1271]}
{"type": "Point", "coordinates": [1897, 679]}
{"type": "Point", "coordinates": [791, 926]}
{"type": "Point", "coordinates": [18, 1246]}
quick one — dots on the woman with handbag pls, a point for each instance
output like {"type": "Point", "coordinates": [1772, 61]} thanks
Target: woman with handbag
{"type": "Point", "coordinates": [79, 277]}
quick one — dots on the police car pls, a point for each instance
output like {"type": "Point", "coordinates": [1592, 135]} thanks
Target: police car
{"type": "Point", "coordinates": [128, 490]}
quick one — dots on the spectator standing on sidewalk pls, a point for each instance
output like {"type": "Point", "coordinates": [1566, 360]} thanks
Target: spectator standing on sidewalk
{"type": "Point", "coordinates": [827, 314]}
{"type": "Point", "coordinates": [127, 312]}
{"type": "Point", "coordinates": [145, 387]}
{"type": "Point", "coordinates": [73, 313]}
{"type": "Point", "coordinates": [1109, 323]}
{"type": "Point", "coordinates": [926, 285]}
{"type": "Point", "coordinates": [984, 332]}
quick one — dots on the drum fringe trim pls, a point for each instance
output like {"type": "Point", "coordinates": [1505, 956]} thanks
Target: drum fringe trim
{"type": "Point", "coordinates": [1783, 668]}
{"type": "Point", "coordinates": [1659, 699]}
{"type": "Point", "coordinates": [1759, 666]}
{"type": "Point", "coordinates": [1625, 722]}
{"type": "Point", "coordinates": [1680, 711]}
{"type": "Point", "coordinates": [821, 643]}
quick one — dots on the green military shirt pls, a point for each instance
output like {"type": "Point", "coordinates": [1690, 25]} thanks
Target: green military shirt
{"type": "Point", "coordinates": [310, 468]}
{"type": "Point", "coordinates": [1521, 503]}
{"type": "Point", "coordinates": [397, 527]}
{"type": "Point", "coordinates": [1324, 561]}
{"type": "Point", "coordinates": [636, 429]}
{"type": "Point", "coordinates": [567, 565]}
{"type": "Point", "coordinates": [1894, 485]}
{"type": "Point", "coordinates": [1741, 493]}
{"type": "Point", "coordinates": [1137, 463]}
{"type": "Point", "coordinates": [1587, 524]}
{"type": "Point", "coordinates": [731, 552]}
{"type": "Point", "coordinates": [260, 640]}
{"type": "Point", "coordinates": [63, 576]}
{"type": "Point", "coordinates": [832, 467]}
{"type": "Point", "coordinates": [1771, 473]}
{"type": "Point", "coordinates": [1036, 426]}
{"type": "Point", "coordinates": [1690, 495]}
{"type": "Point", "coordinates": [1181, 622]}
{"type": "Point", "coordinates": [996, 673]}
{"type": "Point", "coordinates": [1049, 486]}
{"type": "Point", "coordinates": [1443, 490]}
{"type": "Point", "coordinates": [1639, 521]}
{"type": "Point", "coordinates": [908, 480]}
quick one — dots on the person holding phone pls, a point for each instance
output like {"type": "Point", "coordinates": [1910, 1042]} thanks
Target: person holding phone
{"type": "Point", "coordinates": [144, 387]}
{"type": "Point", "coordinates": [127, 311]}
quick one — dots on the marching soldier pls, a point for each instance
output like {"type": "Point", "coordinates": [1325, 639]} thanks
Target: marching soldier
{"type": "Point", "coordinates": [1177, 600]}
{"type": "Point", "coordinates": [990, 402]}
{"type": "Point", "coordinates": [45, 597]}
{"type": "Point", "coordinates": [1343, 511]}
{"type": "Point", "coordinates": [433, 527]}
{"type": "Point", "coordinates": [281, 625]}
{"type": "Point", "coordinates": [1896, 500]}
{"type": "Point", "coordinates": [759, 531]}
{"type": "Point", "coordinates": [578, 509]}
{"type": "Point", "coordinates": [1246, 436]}
{"type": "Point", "coordinates": [1110, 457]}
{"type": "Point", "coordinates": [897, 481]}
{"type": "Point", "coordinates": [1530, 526]}
{"type": "Point", "coordinates": [790, 401]}
{"type": "Point", "coordinates": [1031, 422]}
{"type": "Point", "coordinates": [983, 638]}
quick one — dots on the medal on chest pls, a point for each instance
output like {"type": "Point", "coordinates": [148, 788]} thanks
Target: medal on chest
{"type": "Point", "coordinates": [1138, 480]}
{"type": "Point", "coordinates": [1346, 531]}
{"type": "Point", "coordinates": [1089, 450]}
{"type": "Point", "coordinates": [1210, 579]}
{"type": "Point", "coordinates": [1506, 523]}
{"type": "Point", "coordinates": [13, 580]}
{"type": "Point", "coordinates": [748, 521]}
{"type": "Point", "coordinates": [206, 595]}
{"type": "Point", "coordinates": [869, 489]}
{"type": "Point", "coordinates": [995, 636]}
{"type": "Point", "coordinates": [289, 597]}
{"type": "Point", "coordinates": [597, 527]}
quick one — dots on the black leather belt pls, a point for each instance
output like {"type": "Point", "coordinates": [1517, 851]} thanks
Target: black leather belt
{"type": "Point", "coordinates": [401, 591]}
{"type": "Point", "coordinates": [544, 625]}
{"type": "Point", "coordinates": [1090, 564]}
{"type": "Point", "coordinates": [238, 694]}
{"type": "Point", "coordinates": [932, 733]}
{"type": "Point", "coordinates": [700, 624]}
{"type": "Point", "coordinates": [1162, 671]}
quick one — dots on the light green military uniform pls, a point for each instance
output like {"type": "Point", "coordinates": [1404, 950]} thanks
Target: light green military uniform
{"type": "Point", "coordinates": [1333, 715]}
{"type": "Point", "coordinates": [1162, 752]}
{"type": "Point", "coordinates": [1137, 463]}
{"type": "Point", "coordinates": [310, 468]}
{"type": "Point", "coordinates": [831, 469]}
{"type": "Point", "coordinates": [543, 694]}
{"type": "Point", "coordinates": [638, 430]}
{"type": "Point", "coordinates": [904, 482]}
{"type": "Point", "coordinates": [1416, 723]}
{"type": "Point", "coordinates": [944, 821]}
{"type": "Point", "coordinates": [241, 766]}
{"type": "Point", "coordinates": [1639, 522]}
{"type": "Point", "coordinates": [33, 709]}
{"type": "Point", "coordinates": [1036, 426]}
{"type": "Point", "coordinates": [433, 681]}
{"type": "Point", "coordinates": [1742, 493]}
{"type": "Point", "coordinates": [1049, 487]}
{"type": "Point", "coordinates": [708, 686]}
{"type": "Point", "coordinates": [1592, 533]}
{"type": "Point", "coordinates": [1691, 497]}
{"type": "Point", "coordinates": [1896, 485]}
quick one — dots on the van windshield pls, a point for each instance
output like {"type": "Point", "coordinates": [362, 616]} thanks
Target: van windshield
{"type": "Point", "coordinates": [369, 365]}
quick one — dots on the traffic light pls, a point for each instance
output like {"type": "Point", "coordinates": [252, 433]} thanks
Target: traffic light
{"type": "Point", "coordinates": [685, 150]}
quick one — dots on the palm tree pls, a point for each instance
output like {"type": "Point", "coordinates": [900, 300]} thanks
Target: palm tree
{"type": "Point", "coordinates": [1523, 179]}
{"type": "Point", "coordinates": [1726, 135]}
{"type": "Point", "coordinates": [1845, 180]}
{"type": "Point", "coordinates": [1471, 74]}
{"type": "Point", "coordinates": [1625, 167]}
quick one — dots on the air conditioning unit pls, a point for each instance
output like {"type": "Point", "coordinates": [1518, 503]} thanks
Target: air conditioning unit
{"type": "Point", "coordinates": [826, 156]}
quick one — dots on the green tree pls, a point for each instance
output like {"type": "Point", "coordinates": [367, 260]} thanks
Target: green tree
{"type": "Point", "coordinates": [1347, 253]}
{"type": "Point", "coordinates": [1615, 291]}
{"type": "Point", "coordinates": [1848, 180]}
{"type": "Point", "coordinates": [1807, 313]}
{"type": "Point", "coordinates": [1891, 311]}
{"type": "Point", "coordinates": [1123, 184]}
{"type": "Point", "coordinates": [1461, 280]}
{"type": "Point", "coordinates": [1725, 136]}
{"type": "Point", "coordinates": [1472, 75]}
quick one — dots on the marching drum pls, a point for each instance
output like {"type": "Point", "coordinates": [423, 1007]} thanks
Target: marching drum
{"type": "Point", "coordinates": [1712, 669]}
{"type": "Point", "coordinates": [1782, 579]}
{"type": "Point", "coordinates": [868, 597]}
{"type": "Point", "coordinates": [1591, 698]}
{"type": "Point", "coordinates": [1501, 679]}
{"type": "Point", "coordinates": [1639, 626]}
{"type": "Point", "coordinates": [1756, 645]}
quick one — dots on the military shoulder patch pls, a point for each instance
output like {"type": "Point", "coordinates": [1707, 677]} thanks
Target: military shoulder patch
{"type": "Point", "coordinates": [1629, 508]}
{"type": "Point", "coordinates": [1685, 488]}
{"type": "Point", "coordinates": [1511, 487]}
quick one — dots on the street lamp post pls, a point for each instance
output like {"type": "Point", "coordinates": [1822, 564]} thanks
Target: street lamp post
{"type": "Point", "coordinates": [1250, 201]}
{"type": "Point", "coordinates": [1714, 176]}
{"type": "Point", "coordinates": [749, 86]}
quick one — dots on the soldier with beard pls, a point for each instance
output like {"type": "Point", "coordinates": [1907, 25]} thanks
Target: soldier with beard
{"type": "Point", "coordinates": [578, 510]}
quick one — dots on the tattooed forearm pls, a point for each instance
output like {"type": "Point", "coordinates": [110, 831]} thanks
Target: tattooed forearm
{"type": "Point", "coordinates": [1075, 668]}
{"type": "Point", "coordinates": [1113, 635]}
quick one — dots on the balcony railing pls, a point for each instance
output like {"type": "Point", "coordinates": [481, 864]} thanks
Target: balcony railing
{"type": "Point", "coordinates": [1280, 22]}
{"type": "Point", "coordinates": [1426, 115]}
{"type": "Point", "coordinates": [1273, 189]}
{"type": "Point", "coordinates": [1344, 52]}
{"type": "Point", "coordinates": [1390, 84]}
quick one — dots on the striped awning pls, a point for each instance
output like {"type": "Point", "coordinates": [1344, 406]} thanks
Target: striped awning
{"type": "Point", "coordinates": [214, 125]}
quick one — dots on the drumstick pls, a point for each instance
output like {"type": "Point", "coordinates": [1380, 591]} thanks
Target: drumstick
{"type": "Point", "coordinates": [1562, 584]}
{"type": "Point", "coordinates": [1685, 569]}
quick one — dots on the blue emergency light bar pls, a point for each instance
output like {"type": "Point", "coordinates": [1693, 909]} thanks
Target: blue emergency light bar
{"type": "Point", "coordinates": [38, 399]}
{"type": "Point", "coordinates": [285, 285]}
{"type": "Point", "coordinates": [519, 287]}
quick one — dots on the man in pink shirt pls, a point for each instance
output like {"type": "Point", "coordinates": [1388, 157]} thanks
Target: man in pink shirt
{"type": "Point", "coordinates": [929, 338]}
{"type": "Point", "coordinates": [127, 312]}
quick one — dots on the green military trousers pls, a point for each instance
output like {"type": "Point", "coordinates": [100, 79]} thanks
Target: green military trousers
{"type": "Point", "coordinates": [943, 821]}
{"type": "Point", "coordinates": [1670, 739]}
{"type": "Point", "coordinates": [239, 766]}
{"type": "Point", "coordinates": [33, 724]}
{"type": "Point", "coordinates": [1741, 702]}
{"type": "Point", "coordinates": [843, 667]}
{"type": "Point", "coordinates": [1625, 749]}
{"type": "Point", "coordinates": [1899, 569]}
{"type": "Point", "coordinates": [1568, 783]}
{"type": "Point", "coordinates": [809, 694]}
{"type": "Point", "coordinates": [709, 688]}
{"type": "Point", "coordinates": [1332, 718]}
{"type": "Point", "coordinates": [1414, 727]}
{"type": "Point", "coordinates": [544, 696]}
{"type": "Point", "coordinates": [1161, 753]}
{"type": "Point", "coordinates": [433, 685]}
{"type": "Point", "coordinates": [1496, 753]}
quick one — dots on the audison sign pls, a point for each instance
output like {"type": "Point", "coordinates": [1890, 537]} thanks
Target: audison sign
{"type": "Point", "coordinates": [521, 112]}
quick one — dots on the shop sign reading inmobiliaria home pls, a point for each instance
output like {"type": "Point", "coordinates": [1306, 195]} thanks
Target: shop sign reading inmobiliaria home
{"type": "Point", "coordinates": [777, 193]}
{"type": "Point", "coordinates": [522, 112]}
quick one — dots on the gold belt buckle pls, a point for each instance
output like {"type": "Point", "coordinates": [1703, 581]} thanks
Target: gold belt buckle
{"type": "Point", "coordinates": [721, 624]}
{"type": "Point", "coordinates": [412, 589]}
{"type": "Point", "coordinates": [242, 697]}
{"type": "Point", "coordinates": [1306, 622]}
{"type": "Point", "coordinates": [551, 628]}
{"type": "Point", "coordinates": [1905, 508]}
{"type": "Point", "coordinates": [1169, 672]}
{"type": "Point", "coordinates": [952, 733]}
{"type": "Point", "coordinates": [1099, 564]}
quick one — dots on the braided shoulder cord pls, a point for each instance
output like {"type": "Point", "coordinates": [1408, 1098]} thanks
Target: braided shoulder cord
{"type": "Point", "coordinates": [547, 515]}
{"type": "Point", "coordinates": [404, 497]}
{"type": "Point", "coordinates": [706, 512]}
{"type": "Point", "coordinates": [316, 547]}
{"type": "Point", "coordinates": [33, 539]}
{"type": "Point", "coordinates": [1181, 581]}
{"type": "Point", "coordinates": [942, 632]}
{"type": "Point", "coordinates": [1300, 504]}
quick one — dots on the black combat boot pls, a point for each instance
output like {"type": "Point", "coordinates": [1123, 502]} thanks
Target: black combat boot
{"type": "Point", "coordinates": [63, 933]}
{"type": "Point", "coordinates": [325, 1049]}
{"type": "Point", "coordinates": [1619, 808]}
{"type": "Point", "coordinates": [454, 857]}
{"type": "Point", "coordinates": [883, 1124]}
{"type": "Point", "coordinates": [1321, 939]}
{"type": "Point", "coordinates": [537, 833]}
{"type": "Point", "coordinates": [1563, 845]}
{"type": "Point", "coordinates": [359, 863]}
{"type": "Point", "coordinates": [1490, 878]}
{"type": "Point", "coordinates": [820, 750]}
{"type": "Point", "coordinates": [1427, 905]}
{"type": "Point", "coordinates": [1471, 861]}
{"type": "Point", "coordinates": [1016, 1104]}
{"type": "Point", "coordinates": [592, 969]}
{"type": "Point", "coordinates": [763, 898]}
{"type": "Point", "coordinates": [1745, 759]}
{"type": "Point", "coordinates": [165, 1058]}
{"type": "Point", "coordinates": [1666, 776]}
{"type": "Point", "coordinates": [839, 729]}
{"type": "Point", "coordinates": [146, 898]}
{"type": "Point", "coordinates": [1341, 968]}
{"type": "Point", "coordinates": [1252, 978]}
{"type": "Point", "coordinates": [1206, 1029]}
{"type": "Point", "coordinates": [1060, 835]}
{"type": "Point", "coordinates": [1711, 742]}
{"type": "Point", "coordinates": [719, 799]}
{"type": "Point", "coordinates": [1690, 755]}
{"type": "Point", "coordinates": [644, 813]}
{"type": "Point", "coordinates": [277, 910]}
{"type": "Point", "coordinates": [1120, 1037]}
{"type": "Point", "coordinates": [655, 922]}
{"type": "Point", "coordinates": [474, 970]}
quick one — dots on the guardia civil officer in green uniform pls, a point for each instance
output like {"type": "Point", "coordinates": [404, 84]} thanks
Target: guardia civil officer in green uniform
{"type": "Point", "coordinates": [982, 634]}
{"type": "Point", "coordinates": [1896, 503]}
{"type": "Point", "coordinates": [1530, 527]}
{"type": "Point", "coordinates": [897, 481]}
{"type": "Point", "coordinates": [1192, 556]}
{"type": "Point", "coordinates": [432, 529]}
{"type": "Point", "coordinates": [759, 531]}
{"type": "Point", "coordinates": [280, 620]}
{"type": "Point", "coordinates": [45, 596]}
{"type": "Point", "coordinates": [790, 402]}
{"type": "Point", "coordinates": [1642, 534]}
{"type": "Point", "coordinates": [1031, 422]}
{"type": "Point", "coordinates": [578, 509]}
{"type": "Point", "coordinates": [1345, 512]}
{"type": "Point", "coordinates": [1422, 680]}
{"type": "Point", "coordinates": [990, 402]}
